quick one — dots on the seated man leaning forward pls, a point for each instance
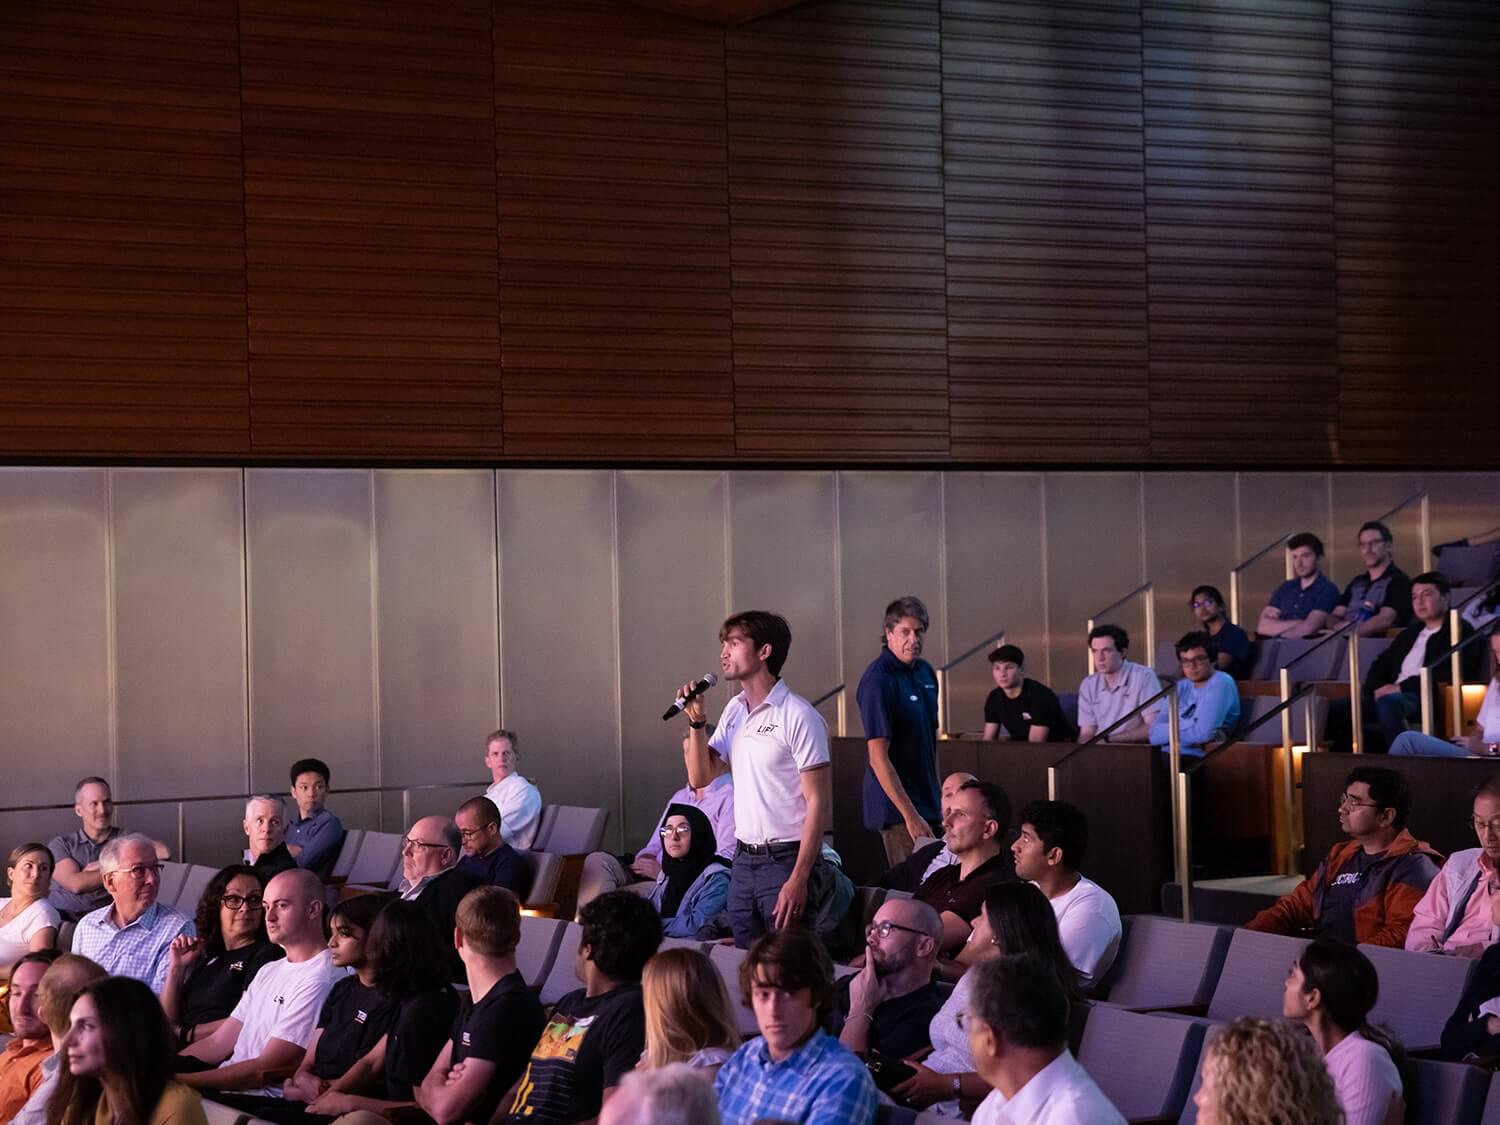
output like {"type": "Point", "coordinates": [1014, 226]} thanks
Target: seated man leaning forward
{"type": "Point", "coordinates": [886, 1007]}
{"type": "Point", "coordinates": [1208, 700]}
{"type": "Point", "coordinates": [486, 854]}
{"type": "Point", "coordinates": [932, 856]}
{"type": "Point", "coordinates": [265, 833]}
{"type": "Point", "coordinates": [313, 834]}
{"type": "Point", "coordinates": [1021, 708]}
{"type": "Point", "coordinates": [261, 1044]}
{"type": "Point", "coordinates": [1115, 688]}
{"type": "Point", "coordinates": [1455, 914]}
{"type": "Point", "coordinates": [975, 827]}
{"type": "Point", "coordinates": [132, 937]}
{"type": "Point", "coordinates": [1367, 888]}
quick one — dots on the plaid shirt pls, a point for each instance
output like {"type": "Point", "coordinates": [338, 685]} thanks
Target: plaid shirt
{"type": "Point", "coordinates": [823, 1081]}
{"type": "Point", "coordinates": [140, 950]}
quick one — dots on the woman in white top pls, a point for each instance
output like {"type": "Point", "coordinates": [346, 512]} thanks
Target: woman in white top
{"type": "Point", "coordinates": [27, 920]}
{"type": "Point", "coordinates": [689, 1017]}
{"type": "Point", "coordinates": [1331, 989]}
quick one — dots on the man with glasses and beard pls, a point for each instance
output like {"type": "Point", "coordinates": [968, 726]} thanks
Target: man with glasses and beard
{"type": "Point", "coordinates": [886, 1007]}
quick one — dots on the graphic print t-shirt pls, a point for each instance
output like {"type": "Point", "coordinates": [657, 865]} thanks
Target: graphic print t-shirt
{"type": "Point", "coordinates": [586, 1046]}
{"type": "Point", "coordinates": [1342, 895]}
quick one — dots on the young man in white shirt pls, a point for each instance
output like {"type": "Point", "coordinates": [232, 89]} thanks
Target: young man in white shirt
{"type": "Point", "coordinates": [1049, 852]}
{"type": "Point", "coordinates": [1116, 688]}
{"type": "Point", "coordinates": [776, 745]}
{"type": "Point", "coordinates": [517, 799]}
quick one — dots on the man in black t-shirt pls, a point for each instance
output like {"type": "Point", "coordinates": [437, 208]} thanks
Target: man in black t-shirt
{"type": "Point", "coordinates": [595, 1035]}
{"type": "Point", "coordinates": [1027, 710]}
{"type": "Point", "coordinates": [887, 1006]}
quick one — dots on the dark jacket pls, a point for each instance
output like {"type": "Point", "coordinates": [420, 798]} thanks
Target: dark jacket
{"type": "Point", "coordinates": [1466, 1032]}
{"type": "Point", "coordinates": [1387, 665]}
{"type": "Point", "coordinates": [440, 899]}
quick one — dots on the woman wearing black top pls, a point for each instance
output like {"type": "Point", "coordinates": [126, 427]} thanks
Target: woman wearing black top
{"type": "Point", "coordinates": [207, 974]}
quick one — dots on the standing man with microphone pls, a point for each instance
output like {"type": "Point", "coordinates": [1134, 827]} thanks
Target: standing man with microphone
{"type": "Point", "coordinates": [776, 745]}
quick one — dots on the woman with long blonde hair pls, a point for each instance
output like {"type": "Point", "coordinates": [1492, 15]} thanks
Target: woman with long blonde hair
{"type": "Point", "coordinates": [689, 1017]}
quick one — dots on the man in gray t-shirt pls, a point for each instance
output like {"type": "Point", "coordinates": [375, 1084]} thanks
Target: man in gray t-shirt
{"type": "Point", "coordinates": [77, 886]}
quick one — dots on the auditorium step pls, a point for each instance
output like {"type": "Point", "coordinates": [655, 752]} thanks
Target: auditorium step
{"type": "Point", "coordinates": [1228, 901]}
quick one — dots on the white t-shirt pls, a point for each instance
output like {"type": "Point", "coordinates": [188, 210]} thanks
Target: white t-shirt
{"type": "Point", "coordinates": [1088, 922]}
{"type": "Point", "coordinates": [768, 749]}
{"type": "Point", "coordinates": [520, 808]}
{"type": "Point", "coordinates": [16, 935]}
{"type": "Point", "coordinates": [1412, 665]}
{"type": "Point", "coordinates": [1489, 712]}
{"type": "Point", "coordinates": [282, 1002]}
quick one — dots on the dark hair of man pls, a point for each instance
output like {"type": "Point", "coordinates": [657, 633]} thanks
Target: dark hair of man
{"type": "Point", "coordinates": [1023, 921]}
{"type": "Point", "coordinates": [310, 765]}
{"type": "Point", "coordinates": [1008, 654]}
{"type": "Point", "coordinates": [483, 808]}
{"type": "Point", "coordinates": [1058, 824]}
{"type": "Point", "coordinates": [36, 957]}
{"type": "Point", "coordinates": [1376, 525]}
{"type": "Point", "coordinates": [763, 629]}
{"type": "Point", "coordinates": [996, 803]}
{"type": "Point", "coordinates": [400, 949]}
{"type": "Point", "coordinates": [138, 1056]}
{"type": "Point", "coordinates": [206, 917]}
{"type": "Point", "coordinates": [1388, 789]}
{"type": "Point", "coordinates": [1305, 539]}
{"type": "Point", "coordinates": [790, 960]}
{"type": "Point", "coordinates": [1197, 639]}
{"type": "Point", "coordinates": [1114, 633]}
{"type": "Point", "coordinates": [90, 781]}
{"type": "Point", "coordinates": [1348, 988]}
{"type": "Point", "coordinates": [905, 607]}
{"type": "Point", "coordinates": [622, 931]}
{"type": "Point", "coordinates": [1211, 591]}
{"type": "Point", "coordinates": [490, 920]}
{"type": "Point", "coordinates": [1018, 996]}
{"type": "Point", "coordinates": [1434, 578]}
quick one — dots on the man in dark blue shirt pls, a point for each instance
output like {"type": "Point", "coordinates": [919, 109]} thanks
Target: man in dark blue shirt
{"type": "Point", "coordinates": [898, 706]}
{"type": "Point", "coordinates": [485, 853]}
{"type": "Point", "coordinates": [1300, 606]}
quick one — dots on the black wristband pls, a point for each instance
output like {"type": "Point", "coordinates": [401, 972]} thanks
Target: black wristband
{"type": "Point", "coordinates": [698, 725]}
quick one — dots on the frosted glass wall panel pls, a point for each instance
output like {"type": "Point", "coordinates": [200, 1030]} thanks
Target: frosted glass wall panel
{"type": "Point", "coordinates": [1358, 497]}
{"type": "Point", "coordinates": [1189, 541]}
{"type": "Point", "coordinates": [1273, 505]}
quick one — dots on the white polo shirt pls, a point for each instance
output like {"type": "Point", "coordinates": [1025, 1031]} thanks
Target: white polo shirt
{"type": "Point", "coordinates": [768, 749]}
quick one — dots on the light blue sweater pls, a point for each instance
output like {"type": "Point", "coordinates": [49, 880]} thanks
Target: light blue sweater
{"type": "Point", "coordinates": [1203, 711]}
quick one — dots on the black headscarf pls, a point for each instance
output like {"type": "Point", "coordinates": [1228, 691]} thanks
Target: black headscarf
{"type": "Point", "coordinates": [702, 851]}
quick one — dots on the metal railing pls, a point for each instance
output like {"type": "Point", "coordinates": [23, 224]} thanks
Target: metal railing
{"type": "Point", "coordinates": [1234, 575]}
{"type": "Point", "coordinates": [1425, 517]}
{"type": "Point", "coordinates": [1356, 699]}
{"type": "Point", "coordinates": [182, 802]}
{"type": "Point", "coordinates": [1453, 653]}
{"type": "Point", "coordinates": [1147, 590]}
{"type": "Point", "coordinates": [838, 690]}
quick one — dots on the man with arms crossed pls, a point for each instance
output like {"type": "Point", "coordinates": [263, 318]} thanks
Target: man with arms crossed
{"type": "Point", "coordinates": [77, 882]}
{"type": "Point", "coordinates": [1300, 606]}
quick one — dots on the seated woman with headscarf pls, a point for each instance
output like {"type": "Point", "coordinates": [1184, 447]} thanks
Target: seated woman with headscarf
{"type": "Point", "coordinates": [693, 887]}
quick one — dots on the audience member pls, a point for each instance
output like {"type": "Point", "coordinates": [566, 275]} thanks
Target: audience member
{"type": "Point", "coordinates": [1114, 689]}
{"type": "Point", "coordinates": [431, 877]}
{"type": "Point", "coordinates": [59, 987]}
{"type": "Point", "coordinates": [976, 827]}
{"type": "Point", "coordinates": [1482, 740]}
{"type": "Point", "coordinates": [796, 1071]}
{"type": "Point", "coordinates": [693, 887]}
{"type": "Point", "coordinates": [1257, 1071]}
{"type": "Point", "coordinates": [1049, 852]}
{"type": "Point", "coordinates": [1208, 702]}
{"type": "Point", "coordinates": [262, 1042]}
{"type": "Point", "coordinates": [313, 834]}
{"type": "Point", "coordinates": [898, 697]}
{"type": "Point", "coordinates": [1331, 989]}
{"type": "Point", "coordinates": [498, 1019]}
{"type": "Point", "coordinates": [77, 882]}
{"type": "Point", "coordinates": [1301, 605]}
{"type": "Point", "coordinates": [884, 1009]}
{"type": "Point", "coordinates": [518, 800]}
{"type": "Point", "coordinates": [604, 872]}
{"type": "Point", "coordinates": [776, 744]}
{"type": "Point", "coordinates": [1231, 643]}
{"type": "Point", "coordinates": [1472, 1033]}
{"type": "Point", "coordinates": [1454, 915]}
{"type": "Point", "coordinates": [1026, 710]}
{"type": "Point", "coordinates": [28, 920]}
{"type": "Point", "coordinates": [675, 1094]}
{"type": "Point", "coordinates": [119, 1068]}
{"type": "Point", "coordinates": [265, 835]}
{"type": "Point", "coordinates": [486, 854]}
{"type": "Point", "coordinates": [1380, 597]}
{"type": "Point", "coordinates": [132, 937]}
{"type": "Point", "coordinates": [208, 973]}
{"type": "Point", "coordinates": [689, 1017]}
{"type": "Point", "coordinates": [594, 1035]}
{"type": "Point", "coordinates": [1017, 1027]}
{"type": "Point", "coordinates": [932, 856]}
{"type": "Point", "coordinates": [1367, 887]}
{"type": "Point", "coordinates": [21, 1060]}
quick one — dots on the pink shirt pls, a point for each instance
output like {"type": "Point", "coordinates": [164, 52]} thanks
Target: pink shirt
{"type": "Point", "coordinates": [1430, 918]}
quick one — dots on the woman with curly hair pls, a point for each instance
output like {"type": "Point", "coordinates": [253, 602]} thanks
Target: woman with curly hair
{"type": "Point", "coordinates": [1258, 1072]}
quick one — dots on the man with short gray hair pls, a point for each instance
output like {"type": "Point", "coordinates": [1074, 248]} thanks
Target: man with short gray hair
{"type": "Point", "coordinates": [131, 937]}
{"type": "Point", "coordinates": [265, 831]}
{"type": "Point", "coordinates": [668, 1095]}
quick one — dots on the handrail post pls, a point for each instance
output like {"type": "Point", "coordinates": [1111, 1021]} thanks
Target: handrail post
{"type": "Point", "coordinates": [1288, 786]}
{"type": "Point", "coordinates": [1455, 676]}
{"type": "Point", "coordinates": [843, 714]}
{"type": "Point", "coordinates": [1051, 783]}
{"type": "Point", "coordinates": [1180, 850]}
{"type": "Point", "coordinates": [1089, 628]}
{"type": "Point", "coordinates": [1426, 681]}
{"type": "Point", "coordinates": [405, 809]}
{"type": "Point", "coordinates": [942, 700]}
{"type": "Point", "coordinates": [1234, 598]}
{"type": "Point", "coordinates": [1426, 509]}
{"type": "Point", "coordinates": [181, 834]}
{"type": "Point", "coordinates": [1150, 626]}
{"type": "Point", "coordinates": [1356, 718]}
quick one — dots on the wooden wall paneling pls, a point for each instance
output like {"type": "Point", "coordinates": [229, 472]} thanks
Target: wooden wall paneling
{"type": "Point", "coordinates": [614, 232]}
{"type": "Point", "coordinates": [1416, 92]}
{"type": "Point", "coordinates": [122, 288]}
{"type": "Point", "coordinates": [370, 210]}
{"type": "Point", "coordinates": [836, 204]}
{"type": "Point", "coordinates": [1239, 184]}
{"type": "Point", "coordinates": [1042, 166]}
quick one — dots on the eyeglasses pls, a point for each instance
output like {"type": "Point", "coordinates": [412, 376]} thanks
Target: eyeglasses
{"type": "Point", "coordinates": [1203, 603]}
{"type": "Point", "coordinates": [233, 903]}
{"type": "Point", "coordinates": [679, 830]}
{"type": "Point", "coordinates": [407, 844]}
{"type": "Point", "coordinates": [1493, 824]}
{"type": "Point", "coordinates": [882, 929]}
{"type": "Point", "coordinates": [1189, 661]}
{"type": "Point", "coordinates": [1346, 801]}
{"type": "Point", "coordinates": [140, 871]}
{"type": "Point", "coordinates": [1370, 544]}
{"type": "Point", "coordinates": [467, 834]}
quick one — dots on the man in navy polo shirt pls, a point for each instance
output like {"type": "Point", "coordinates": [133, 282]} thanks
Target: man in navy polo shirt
{"type": "Point", "coordinates": [898, 707]}
{"type": "Point", "coordinates": [1300, 606]}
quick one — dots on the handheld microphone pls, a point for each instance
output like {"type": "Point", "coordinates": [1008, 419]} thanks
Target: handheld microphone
{"type": "Point", "coordinates": [699, 687]}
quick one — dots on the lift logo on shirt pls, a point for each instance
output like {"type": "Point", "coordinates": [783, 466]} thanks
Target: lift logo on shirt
{"type": "Point", "coordinates": [765, 728]}
{"type": "Point", "coordinates": [361, 1016]}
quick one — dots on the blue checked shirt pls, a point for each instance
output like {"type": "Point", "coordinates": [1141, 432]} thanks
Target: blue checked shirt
{"type": "Point", "coordinates": [820, 1083]}
{"type": "Point", "coordinates": [140, 950]}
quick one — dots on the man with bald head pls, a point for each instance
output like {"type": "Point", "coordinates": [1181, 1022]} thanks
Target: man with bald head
{"type": "Point", "coordinates": [933, 855]}
{"type": "Point", "coordinates": [886, 1007]}
{"type": "Point", "coordinates": [431, 877]}
{"type": "Point", "coordinates": [132, 936]}
{"type": "Point", "coordinates": [263, 1040]}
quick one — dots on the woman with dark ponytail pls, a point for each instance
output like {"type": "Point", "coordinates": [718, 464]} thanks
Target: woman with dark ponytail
{"type": "Point", "coordinates": [1331, 989]}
